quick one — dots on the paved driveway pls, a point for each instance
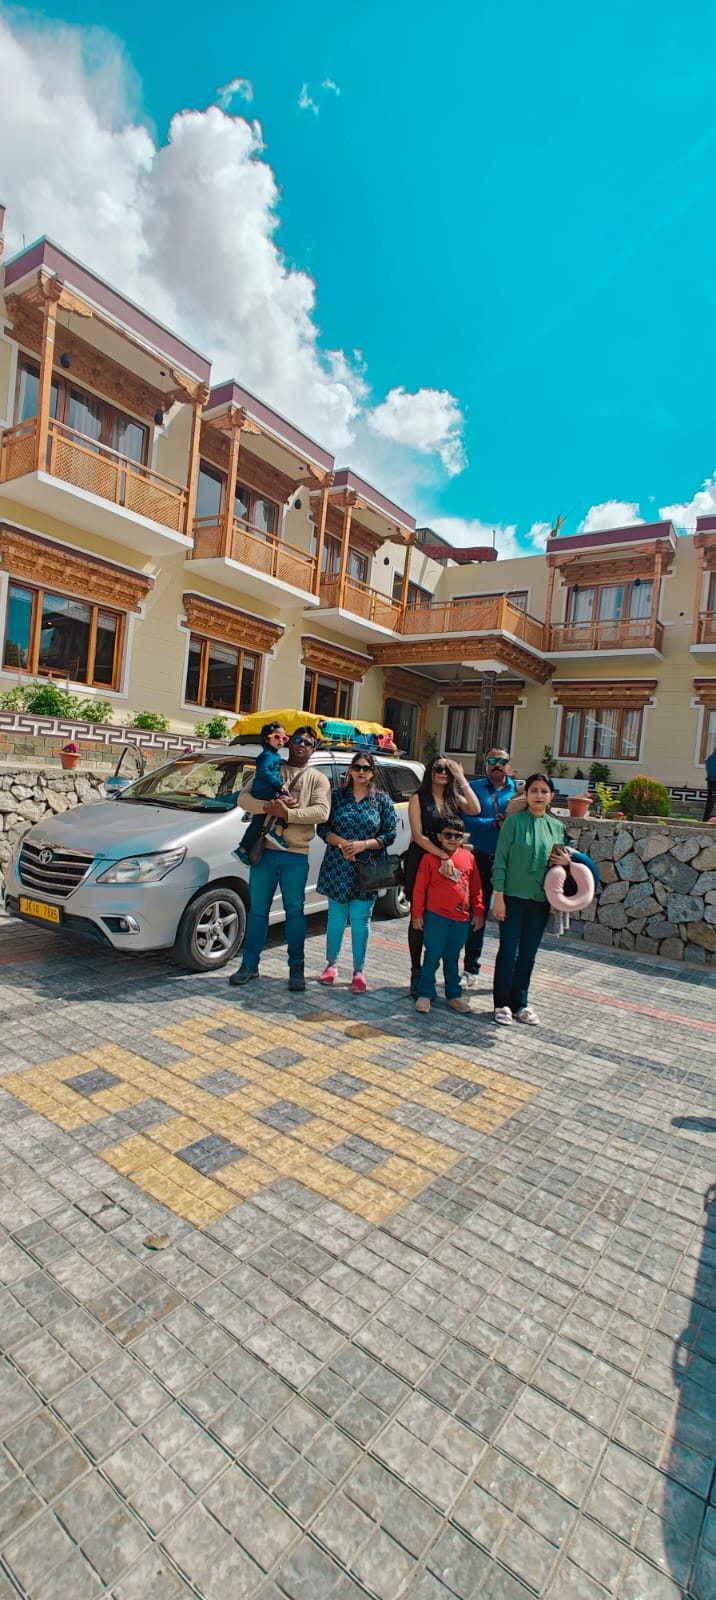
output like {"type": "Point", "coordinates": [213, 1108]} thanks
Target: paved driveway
{"type": "Point", "coordinates": [437, 1313]}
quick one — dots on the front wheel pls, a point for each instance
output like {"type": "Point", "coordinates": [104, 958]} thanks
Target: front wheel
{"type": "Point", "coordinates": [211, 930]}
{"type": "Point", "coordinates": [395, 903]}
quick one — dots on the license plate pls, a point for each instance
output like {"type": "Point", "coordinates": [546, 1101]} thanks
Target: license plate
{"type": "Point", "coordinates": [37, 908]}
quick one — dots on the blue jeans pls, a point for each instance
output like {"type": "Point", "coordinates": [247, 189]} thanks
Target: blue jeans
{"type": "Point", "coordinates": [287, 871]}
{"type": "Point", "coordinates": [442, 941]}
{"type": "Point", "coordinates": [356, 912]}
{"type": "Point", "coordinates": [520, 938]}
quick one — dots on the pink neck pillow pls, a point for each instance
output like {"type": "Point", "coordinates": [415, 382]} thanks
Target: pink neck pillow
{"type": "Point", "coordinates": [560, 878]}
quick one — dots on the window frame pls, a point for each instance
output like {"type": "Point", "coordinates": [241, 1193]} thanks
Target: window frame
{"type": "Point", "coordinates": [627, 585]}
{"type": "Point", "coordinates": [111, 414]}
{"type": "Point", "coordinates": [464, 711]}
{"type": "Point", "coordinates": [97, 608]}
{"type": "Point", "coordinates": [581, 754]}
{"type": "Point", "coordinates": [310, 684]}
{"type": "Point", "coordinates": [205, 641]}
{"type": "Point", "coordinates": [711, 594]}
{"type": "Point", "coordinates": [220, 475]}
{"type": "Point", "coordinates": [417, 594]}
{"type": "Point", "coordinates": [708, 732]}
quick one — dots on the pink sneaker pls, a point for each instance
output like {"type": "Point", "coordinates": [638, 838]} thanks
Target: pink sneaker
{"type": "Point", "coordinates": [359, 984]}
{"type": "Point", "coordinates": [330, 974]}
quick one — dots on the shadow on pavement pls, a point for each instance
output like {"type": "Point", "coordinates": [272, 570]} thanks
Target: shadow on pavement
{"type": "Point", "coordinates": [689, 1507]}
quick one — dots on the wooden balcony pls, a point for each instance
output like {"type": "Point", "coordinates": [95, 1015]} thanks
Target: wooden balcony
{"type": "Point", "coordinates": [44, 472]}
{"type": "Point", "coordinates": [474, 614]}
{"type": "Point", "coordinates": [583, 638]}
{"type": "Point", "coordinates": [246, 557]}
{"type": "Point", "coordinates": [706, 632]}
{"type": "Point", "coordinates": [357, 598]}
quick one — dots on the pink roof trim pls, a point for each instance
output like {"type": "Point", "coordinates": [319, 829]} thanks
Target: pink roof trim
{"type": "Point", "coordinates": [233, 394]}
{"type": "Point", "coordinates": [636, 533]}
{"type": "Point", "coordinates": [346, 479]}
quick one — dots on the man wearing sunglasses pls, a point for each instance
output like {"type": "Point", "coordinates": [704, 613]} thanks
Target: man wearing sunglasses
{"type": "Point", "coordinates": [494, 791]}
{"type": "Point", "coordinates": [285, 868]}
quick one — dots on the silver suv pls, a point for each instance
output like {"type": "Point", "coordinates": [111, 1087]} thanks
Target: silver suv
{"type": "Point", "coordinates": [154, 867]}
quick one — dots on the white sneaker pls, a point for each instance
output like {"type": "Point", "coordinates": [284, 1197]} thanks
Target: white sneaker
{"type": "Point", "coordinates": [529, 1016]}
{"type": "Point", "coordinates": [504, 1016]}
{"type": "Point", "coordinates": [471, 980]}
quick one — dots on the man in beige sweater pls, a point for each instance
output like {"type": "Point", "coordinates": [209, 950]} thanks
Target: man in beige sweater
{"type": "Point", "coordinates": [285, 867]}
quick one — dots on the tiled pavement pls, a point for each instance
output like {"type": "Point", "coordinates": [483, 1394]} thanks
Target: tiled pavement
{"type": "Point", "coordinates": [437, 1317]}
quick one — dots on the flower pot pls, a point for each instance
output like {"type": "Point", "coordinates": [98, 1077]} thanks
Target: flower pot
{"type": "Point", "coordinates": [579, 804]}
{"type": "Point", "coordinates": [69, 759]}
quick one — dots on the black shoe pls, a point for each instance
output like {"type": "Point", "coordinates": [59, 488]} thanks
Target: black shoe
{"type": "Point", "coordinates": [414, 980]}
{"type": "Point", "coordinates": [243, 975]}
{"type": "Point", "coordinates": [296, 980]}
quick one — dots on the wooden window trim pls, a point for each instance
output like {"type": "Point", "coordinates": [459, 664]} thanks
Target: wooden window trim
{"type": "Point", "coordinates": [708, 741]}
{"type": "Point", "coordinates": [205, 643]}
{"type": "Point", "coordinates": [33, 667]}
{"type": "Point", "coordinates": [215, 471]}
{"type": "Point", "coordinates": [342, 685]}
{"type": "Point", "coordinates": [627, 584]}
{"type": "Point", "coordinates": [583, 712]}
{"type": "Point", "coordinates": [110, 412]}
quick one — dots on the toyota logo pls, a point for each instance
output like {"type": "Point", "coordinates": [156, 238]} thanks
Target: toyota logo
{"type": "Point", "coordinates": [45, 857]}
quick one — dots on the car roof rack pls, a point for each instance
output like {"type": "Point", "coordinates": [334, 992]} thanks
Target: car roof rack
{"type": "Point", "coordinates": [333, 745]}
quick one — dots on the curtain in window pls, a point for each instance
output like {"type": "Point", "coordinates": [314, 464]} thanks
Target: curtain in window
{"type": "Point", "coordinates": [64, 637]}
{"type": "Point", "coordinates": [642, 595]}
{"type": "Point", "coordinates": [630, 735]}
{"type": "Point", "coordinates": [581, 605]}
{"type": "Point", "coordinates": [85, 414]}
{"type": "Point", "coordinates": [611, 603]}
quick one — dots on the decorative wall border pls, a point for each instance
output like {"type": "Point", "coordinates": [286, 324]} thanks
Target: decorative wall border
{"type": "Point", "coordinates": [101, 734]}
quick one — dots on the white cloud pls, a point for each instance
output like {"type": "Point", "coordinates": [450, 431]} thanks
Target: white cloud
{"type": "Point", "coordinates": [610, 514]}
{"type": "Point", "coordinates": [470, 531]}
{"type": "Point", "coordinates": [702, 504]}
{"type": "Point", "coordinates": [329, 84]}
{"type": "Point", "coordinates": [306, 103]}
{"type": "Point", "coordinates": [429, 421]}
{"type": "Point", "coordinates": [237, 86]}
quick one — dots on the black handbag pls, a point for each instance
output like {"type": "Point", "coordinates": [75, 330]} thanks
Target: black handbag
{"type": "Point", "coordinates": [379, 871]}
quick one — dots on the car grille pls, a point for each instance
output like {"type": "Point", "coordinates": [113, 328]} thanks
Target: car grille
{"type": "Point", "coordinates": [59, 876]}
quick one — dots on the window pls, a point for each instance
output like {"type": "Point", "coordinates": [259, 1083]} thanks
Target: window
{"type": "Point", "coordinates": [708, 733]}
{"type": "Point", "coordinates": [357, 567]}
{"type": "Point", "coordinates": [417, 596]}
{"type": "Point", "coordinates": [711, 596]}
{"type": "Point", "coordinates": [209, 492]}
{"type": "Point", "coordinates": [259, 515]}
{"type": "Point", "coordinates": [55, 635]}
{"type": "Point", "coordinates": [327, 696]}
{"type": "Point", "coordinates": [611, 602]}
{"type": "Point", "coordinates": [606, 733]}
{"type": "Point", "coordinates": [402, 782]}
{"type": "Point", "coordinates": [462, 728]}
{"type": "Point", "coordinates": [221, 676]}
{"type": "Point", "coordinates": [96, 420]}
{"type": "Point", "coordinates": [402, 717]}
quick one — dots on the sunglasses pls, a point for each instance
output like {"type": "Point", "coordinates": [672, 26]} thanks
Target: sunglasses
{"type": "Point", "coordinates": [440, 767]}
{"type": "Point", "coordinates": [447, 833]}
{"type": "Point", "coordinates": [498, 761]}
{"type": "Point", "coordinates": [361, 766]}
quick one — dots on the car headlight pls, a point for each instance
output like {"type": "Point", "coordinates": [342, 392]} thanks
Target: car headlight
{"type": "Point", "coordinates": [142, 869]}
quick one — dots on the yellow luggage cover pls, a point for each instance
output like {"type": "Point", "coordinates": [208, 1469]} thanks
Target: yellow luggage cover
{"type": "Point", "coordinates": [333, 730]}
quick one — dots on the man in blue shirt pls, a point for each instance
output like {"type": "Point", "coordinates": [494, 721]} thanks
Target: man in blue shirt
{"type": "Point", "coordinates": [494, 793]}
{"type": "Point", "coordinates": [710, 806]}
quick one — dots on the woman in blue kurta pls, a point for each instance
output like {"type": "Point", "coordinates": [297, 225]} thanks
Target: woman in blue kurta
{"type": "Point", "coordinates": [362, 820]}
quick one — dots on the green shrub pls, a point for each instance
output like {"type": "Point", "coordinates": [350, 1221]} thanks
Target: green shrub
{"type": "Point", "coordinates": [152, 721]}
{"type": "Point", "coordinates": [429, 748]}
{"type": "Point", "coordinates": [644, 797]}
{"type": "Point", "coordinates": [50, 700]}
{"type": "Point", "coordinates": [599, 772]}
{"type": "Point", "coordinates": [215, 728]}
{"type": "Point", "coordinates": [95, 711]}
{"type": "Point", "coordinates": [13, 699]}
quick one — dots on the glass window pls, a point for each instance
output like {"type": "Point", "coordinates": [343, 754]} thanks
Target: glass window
{"type": "Point", "coordinates": [402, 717]}
{"type": "Point", "coordinates": [711, 598]}
{"type": "Point", "coordinates": [128, 438]}
{"type": "Point", "coordinates": [30, 392]}
{"type": "Point", "coordinates": [64, 637]}
{"type": "Point", "coordinates": [602, 732]}
{"type": "Point", "coordinates": [581, 605]}
{"type": "Point", "coordinates": [344, 699]}
{"type": "Point", "coordinates": [708, 734]}
{"type": "Point", "coordinates": [19, 627]}
{"type": "Point", "coordinates": [242, 502]}
{"type": "Point", "coordinates": [105, 648]}
{"type": "Point", "coordinates": [85, 414]}
{"type": "Point", "coordinates": [248, 683]}
{"type": "Point", "coordinates": [193, 672]}
{"type": "Point", "coordinates": [571, 733]}
{"type": "Point", "coordinates": [611, 603]}
{"type": "Point", "coordinates": [208, 492]}
{"type": "Point", "coordinates": [502, 731]}
{"type": "Point", "coordinates": [642, 596]}
{"type": "Point", "coordinates": [631, 730]}
{"type": "Point", "coordinates": [264, 517]}
{"type": "Point", "coordinates": [401, 781]}
{"type": "Point", "coordinates": [358, 566]}
{"type": "Point", "coordinates": [326, 696]}
{"type": "Point", "coordinates": [221, 674]}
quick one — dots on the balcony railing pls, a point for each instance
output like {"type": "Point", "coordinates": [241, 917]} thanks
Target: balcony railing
{"type": "Point", "coordinates": [361, 601]}
{"type": "Point", "coordinates": [85, 464]}
{"type": "Point", "coordinates": [475, 614]}
{"type": "Point", "coordinates": [707, 628]}
{"type": "Point", "coordinates": [634, 633]}
{"type": "Point", "coordinates": [264, 552]}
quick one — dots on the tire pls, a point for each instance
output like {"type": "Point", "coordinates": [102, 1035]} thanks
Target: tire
{"type": "Point", "coordinates": [394, 903]}
{"type": "Point", "coordinates": [211, 931]}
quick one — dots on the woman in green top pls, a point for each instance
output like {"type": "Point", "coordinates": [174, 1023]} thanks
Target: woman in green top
{"type": "Point", "coordinates": [530, 841]}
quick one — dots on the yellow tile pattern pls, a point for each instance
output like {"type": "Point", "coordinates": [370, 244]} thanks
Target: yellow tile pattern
{"type": "Point", "coordinates": [150, 1158]}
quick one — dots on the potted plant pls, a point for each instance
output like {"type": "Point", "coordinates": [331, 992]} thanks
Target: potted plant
{"type": "Point", "coordinates": [69, 756]}
{"type": "Point", "coordinates": [579, 804]}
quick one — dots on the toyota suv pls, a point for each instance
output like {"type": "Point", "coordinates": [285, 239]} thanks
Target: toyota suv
{"type": "Point", "coordinates": [154, 867]}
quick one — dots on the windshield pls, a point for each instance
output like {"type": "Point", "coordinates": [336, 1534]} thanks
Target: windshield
{"type": "Point", "coordinates": [194, 783]}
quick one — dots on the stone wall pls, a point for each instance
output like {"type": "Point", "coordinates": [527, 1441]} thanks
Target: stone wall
{"type": "Point", "coordinates": [27, 794]}
{"type": "Point", "coordinates": [659, 888]}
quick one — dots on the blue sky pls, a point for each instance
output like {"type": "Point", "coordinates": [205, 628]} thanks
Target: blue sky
{"type": "Point", "coordinates": [511, 203]}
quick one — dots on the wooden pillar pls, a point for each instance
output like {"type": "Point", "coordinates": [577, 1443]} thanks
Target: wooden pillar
{"type": "Point", "coordinates": [551, 574]}
{"type": "Point", "coordinates": [321, 537]}
{"type": "Point", "coordinates": [406, 581]}
{"type": "Point", "coordinates": [658, 563]}
{"type": "Point", "coordinates": [347, 519]}
{"type": "Point", "coordinates": [231, 472]}
{"type": "Point", "coordinates": [485, 719]}
{"type": "Point", "coordinates": [700, 560]}
{"type": "Point", "coordinates": [193, 473]}
{"type": "Point", "coordinates": [51, 291]}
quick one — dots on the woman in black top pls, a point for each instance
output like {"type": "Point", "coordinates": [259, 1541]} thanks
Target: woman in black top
{"type": "Point", "coordinates": [444, 792]}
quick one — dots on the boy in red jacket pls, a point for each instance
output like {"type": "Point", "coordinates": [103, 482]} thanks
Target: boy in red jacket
{"type": "Point", "coordinates": [445, 908]}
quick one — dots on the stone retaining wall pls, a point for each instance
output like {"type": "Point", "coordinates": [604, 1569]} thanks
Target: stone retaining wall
{"type": "Point", "coordinates": [27, 794]}
{"type": "Point", "coordinates": [659, 888]}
